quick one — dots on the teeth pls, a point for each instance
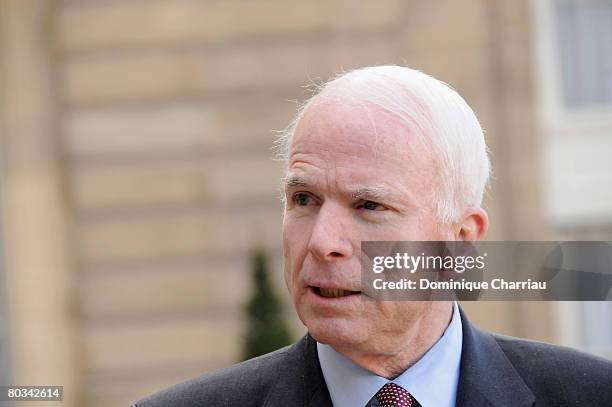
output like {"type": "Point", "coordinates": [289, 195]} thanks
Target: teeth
{"type": "Point", "coordinates": [333, 292]}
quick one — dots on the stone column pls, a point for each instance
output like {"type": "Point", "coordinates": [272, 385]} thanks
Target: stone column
{"type": "Point", "coordinates": [41, 311]}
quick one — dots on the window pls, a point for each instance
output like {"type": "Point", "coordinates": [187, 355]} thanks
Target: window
{"type": "Point", "coordinates": [573, 50]}
{"type": "Point", "coordinates": [585, 48]}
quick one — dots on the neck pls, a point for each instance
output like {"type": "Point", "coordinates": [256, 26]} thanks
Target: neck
{"type": "Point", "coordinates": [393, 360]}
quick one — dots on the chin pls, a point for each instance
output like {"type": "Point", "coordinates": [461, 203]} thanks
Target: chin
{"type": "Point", "coordinates": [333, 332]}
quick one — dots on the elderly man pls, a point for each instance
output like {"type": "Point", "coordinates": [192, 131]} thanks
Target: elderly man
{"type": "Point", "coordinates": [388, 153]}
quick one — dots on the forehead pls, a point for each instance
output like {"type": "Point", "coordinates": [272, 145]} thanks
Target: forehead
{"type": "Point", "coordinates": [345, 132]}
{"type": "Point", "coordinates": [337, 122]}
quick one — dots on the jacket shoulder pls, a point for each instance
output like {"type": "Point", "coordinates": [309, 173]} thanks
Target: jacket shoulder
{"type": "Point", "coordinates": [244, 384]}
{"type": "Point", "coordinates": [552, 371]}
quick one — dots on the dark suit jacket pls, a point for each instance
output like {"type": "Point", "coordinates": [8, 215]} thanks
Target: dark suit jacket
{"type": "Point", "coordinates": [495, 371]}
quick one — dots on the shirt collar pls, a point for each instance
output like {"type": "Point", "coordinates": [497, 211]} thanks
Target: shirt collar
{"type": "Point", "coordinates": [432, 380]}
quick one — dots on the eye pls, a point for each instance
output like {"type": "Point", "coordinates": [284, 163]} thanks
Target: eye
{"type": "Point", "coordinates": [371, 206]}
{"type": "Point", "coordinates": [302, 199]}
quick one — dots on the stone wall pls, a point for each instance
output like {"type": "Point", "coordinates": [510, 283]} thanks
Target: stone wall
{"type": "Point", "coordinates": [165, 113]}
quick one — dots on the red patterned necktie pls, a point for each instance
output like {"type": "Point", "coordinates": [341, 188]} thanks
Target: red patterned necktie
{"type": "Point", "coordinates": [392, 395]}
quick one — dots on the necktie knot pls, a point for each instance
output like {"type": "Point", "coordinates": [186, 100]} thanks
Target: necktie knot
{"type": "Point", "coordinates": [392, 395]}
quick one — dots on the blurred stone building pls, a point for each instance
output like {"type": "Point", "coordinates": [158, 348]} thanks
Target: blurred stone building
{"type": "Point", "coordinates": [137, 172]}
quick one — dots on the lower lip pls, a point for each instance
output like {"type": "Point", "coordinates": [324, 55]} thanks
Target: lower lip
{"type": "Point", "coordinates": [344, 299]}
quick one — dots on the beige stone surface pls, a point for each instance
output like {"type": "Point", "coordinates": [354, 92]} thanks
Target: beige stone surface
{"type": "Point", "coordinates": [445, 25]}
{"type": "Point", "coordinates": [116, 132]}
{"type": "Point", "coordinates": [161, 344]}
{"type": "Point", "coordinates": [161, 23]}
{"type": "Point", "coordinates": [527, 319]}
{"type": "Point", "coordinates": [37, 264]}
{"type": "Point", "coordinates": [179, 235]}
{"type": "Point", "coordinates": [224, 287]}
{"type": "Point", "coordinates": [127, 387]}
{"type": "Point", "coordinates": [217, 181]}
{"type": "Point", "coordinates": [193, 72]}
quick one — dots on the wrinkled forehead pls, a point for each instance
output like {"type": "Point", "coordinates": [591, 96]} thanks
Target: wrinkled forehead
{"type": "Point", "coordinates": [359, 127]}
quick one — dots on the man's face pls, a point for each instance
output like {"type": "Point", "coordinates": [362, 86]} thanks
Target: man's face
{"type": "Point", "coordinates": [355, 173]}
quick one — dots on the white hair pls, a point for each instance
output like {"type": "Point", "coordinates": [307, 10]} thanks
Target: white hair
{"type": "Point", "coordinates": [436, 113]}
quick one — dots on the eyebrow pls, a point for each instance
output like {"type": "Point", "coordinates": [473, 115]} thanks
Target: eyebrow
{"type": "Point", "coordinates": [375, 192]}
{"type": "Point", "coordinates": [371, 192]}
{"type": "Point", "coordinates": [293, 180]}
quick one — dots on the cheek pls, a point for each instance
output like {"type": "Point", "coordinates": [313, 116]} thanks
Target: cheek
{"type": "Point", "coordinates": [427, 227]}
{"type": "Point", "coordinates": [295, 243]}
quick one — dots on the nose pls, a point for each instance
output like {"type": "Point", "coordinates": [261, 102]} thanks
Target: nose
{"type": "Point", "coordinates": [331, 234]}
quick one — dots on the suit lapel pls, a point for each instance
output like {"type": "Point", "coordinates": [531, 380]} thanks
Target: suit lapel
{"type": "Point", "coordinates": [300, 380]}
{"type": "Point", "coordinates": [320, 398]}
{"type": "Point", "coordinates": [487, 377]}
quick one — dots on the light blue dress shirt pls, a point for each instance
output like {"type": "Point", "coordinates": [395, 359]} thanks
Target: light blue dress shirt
{"type": "Point", "coordinates": [432, 380]}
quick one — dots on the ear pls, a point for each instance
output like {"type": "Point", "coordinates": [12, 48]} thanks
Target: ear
{"type": "Point", "coordinates": [473, 225]}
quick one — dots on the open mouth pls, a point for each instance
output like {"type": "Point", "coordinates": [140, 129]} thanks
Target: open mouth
{"type": "Point", "coordinates": [334, 292]}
